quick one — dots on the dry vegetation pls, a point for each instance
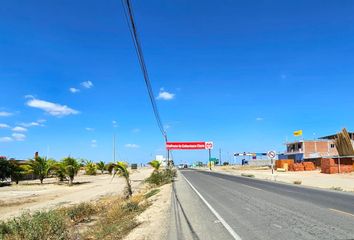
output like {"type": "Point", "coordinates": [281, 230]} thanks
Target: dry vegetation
{"type": "Point", "coordinates": [111, 217]}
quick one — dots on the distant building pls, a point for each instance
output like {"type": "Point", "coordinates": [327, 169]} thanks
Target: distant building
{"type": "Point", "coordinates": [312, 149]}
{"type": "Point", "coordinates": [162, 160]}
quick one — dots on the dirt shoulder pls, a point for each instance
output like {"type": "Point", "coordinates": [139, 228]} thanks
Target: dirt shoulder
{"type": "Point", "coordinates": [307, 178]}
{"type": "Point", "coordinates": [153, 222]}
{"type": "Point", "coordinates": [31, 196]}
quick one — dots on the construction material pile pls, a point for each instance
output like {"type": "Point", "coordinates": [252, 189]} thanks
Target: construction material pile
{"type": "Point", "coordinates": [343, 144]}
{"type": "Point", "coordinates": [309, 166]}
{"type": "Point", "coordinates": [284, 163]}
{"type": "Point", "coordinates": [330, 165]}
{"type": "Point", "coordinates": [304, 166]}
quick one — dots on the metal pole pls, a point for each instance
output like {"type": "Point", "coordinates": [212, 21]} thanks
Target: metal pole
{"type": "Point", "coordinates": [114, 147]}
{"type": "Point", "coordinates": [220, 156]}
{"type": "Point", "coordinates": [168, 157]}
{"type": "Point", "coordinates": [209, 159]}
{"type": "Point", "coordinates": [271, 161]}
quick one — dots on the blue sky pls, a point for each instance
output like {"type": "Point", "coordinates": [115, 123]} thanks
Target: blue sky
{"type": "Point", "coordinates": [244, 74]}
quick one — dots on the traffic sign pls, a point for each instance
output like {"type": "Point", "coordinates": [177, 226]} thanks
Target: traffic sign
{"type": "Point", "coordinates": [209, 145]}
{"type": "Point", "coordinates": [271, 154]}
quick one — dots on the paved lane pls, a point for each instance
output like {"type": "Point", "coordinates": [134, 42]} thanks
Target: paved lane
{"type": "Point", "coordinates": [257, 209]}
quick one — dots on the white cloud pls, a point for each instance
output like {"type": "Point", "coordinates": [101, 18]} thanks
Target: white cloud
{"type": "Point", "coordinates": [3, 125]}
{"type": "Point", "coordinates": [166, 126]}
{"type": "Point", "coordinates": [53, 109]}
{"type": "Point", "coordinates": [87, 84]}
{"type": "Point", "coordinates": [283, 76]}
{"type": "Point", "coordinates": [93, 143]}
{"type": "Point", "coordinates": [164, 95]}
{"type": "Point", "coordinates": [115, 124]}
{"type": "Point", "coordinates": [131, 145]}
{"type": "Point", "coordinates": [5, 114]}
{"type": "Point", "coordinates": [19, 129]}
{"type": "Point", "coordinates": [259, 119]}
{"type": "Point", "coordinates": [136, 130]}
{"type": "Point", "coordinates": [90, 129]}
{"type": "Point", "coordinates": [74, 90]}
{"type": "Point", "coordinates": [19, 136]}
{"type": "Point", "coordinates": [6, 139]}
{"type": "Point", "coordinates": [33, 124]}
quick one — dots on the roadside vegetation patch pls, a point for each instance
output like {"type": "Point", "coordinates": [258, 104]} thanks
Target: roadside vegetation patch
{"type": "Point", "coordinates": [297, 182]}
{"type": "Point", "coordinates": [161, 177]}
{"type": "Point", "coordinates": [152, 193]}
{"type": "Point", "coordinates": [247, 175]}
{"type": "Point", "coordinates": [337, 188]}
{"type": "Point", "coordinates": [118, 218]}
{"type": "Point", "coordinates": [40, 225]}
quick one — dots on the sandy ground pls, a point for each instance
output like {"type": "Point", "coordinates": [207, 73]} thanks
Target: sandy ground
{"type": "Point", "coordinates": [308, 178]}
{"type": "Point", "coordinates": [154, 221]}
{"type": "Point", "coordinates": [31, 196]}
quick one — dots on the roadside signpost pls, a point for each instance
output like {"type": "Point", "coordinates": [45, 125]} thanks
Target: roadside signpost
{"type": "Point", "coordinates": [272, 155]}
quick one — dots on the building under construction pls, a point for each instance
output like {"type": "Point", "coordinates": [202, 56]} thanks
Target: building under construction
{"type": "Point", "coordinates": [306, 150]}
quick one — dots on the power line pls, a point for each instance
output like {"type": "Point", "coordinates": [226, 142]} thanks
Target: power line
{"type": "Point", "coordinates": [129, 15]}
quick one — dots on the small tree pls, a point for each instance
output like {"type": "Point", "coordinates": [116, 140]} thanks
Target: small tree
{"type": "Point", "coordinates": [71, 168]}
{"type": "Point", "coordinates": [155, 164]}
{"type": "Point", "coordinates": [90, 168]}
{"type": "Point", "coordinates": [18, 171]}
{"type": "Point", "coordinates": [40, 167]}
{"type": "Point", "coordinates": [59, 171]}
{"type": "Point", "coordinates": [101, 166]}
{"type": "Point", "coordinates": [121, 169]}
{"type": "Point", "coordinates": [5, 169]}
{"type": "Point", "coordinates": [110, 167]}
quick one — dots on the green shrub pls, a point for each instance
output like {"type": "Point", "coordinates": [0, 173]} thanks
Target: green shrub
{"type": "Point", "coordinates": [40, 225]}
{"type": "Point", "coordinates": [159, 178]}
{"type": "Point", "coordinates": [297, 182]}
{"type": "Point", "coordinates": [152, 193]}
{"type": "Point", "coordinates": [247, 175]}
{"type": "Point", "coordinates": [80, 213]}
{"type": "Point", "coordinates": [90, 168]}
{"type": "Point", "coordinates": [337, 188]}
{"type": "Point", "coordinates": [131, 206]}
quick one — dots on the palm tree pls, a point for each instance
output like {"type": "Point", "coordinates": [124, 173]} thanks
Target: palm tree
{"type": "Point", "coordinates": [90, 168]}
{"type": "Point", "coordinates": [58, 169]}
{"type": "Point", "coordinates": [155, 164]}
{"type": "Point", "coordinates": [100, 166]}
{"type": "Point", "coordinates": [121, 168]}
{"type": "Point", "coordinates": [40, 167]}
{"type": "Point", "coordinates": [71, 168]}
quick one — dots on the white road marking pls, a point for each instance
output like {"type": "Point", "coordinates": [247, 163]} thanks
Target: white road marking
{"type": "Point", "coordinates": [217, 215]}
{"type": "Point", "coordinates": [252, 187]}
{"type": "Point", "coordinates": [277, 226]}
{"type": "Point", "coordinates": [339, 211]}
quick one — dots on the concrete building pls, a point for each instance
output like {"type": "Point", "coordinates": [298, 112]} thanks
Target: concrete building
{"type": "Point", "coordinates": [312, 149]}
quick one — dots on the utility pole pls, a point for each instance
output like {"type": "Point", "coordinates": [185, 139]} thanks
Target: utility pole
{"type": "Point", "coordinates": [220, 156]}
{"type": "Point", "coordinates": [114, 147]}
{"type": "Point", "coordinates": [209, 159]}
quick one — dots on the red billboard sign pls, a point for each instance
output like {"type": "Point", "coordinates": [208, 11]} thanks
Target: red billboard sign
{"type": "Point", "coordinates": [189, 145]}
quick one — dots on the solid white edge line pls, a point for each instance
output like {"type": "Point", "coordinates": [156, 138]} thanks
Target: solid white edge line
{"type": "Point", "coordinates": [217, 215]}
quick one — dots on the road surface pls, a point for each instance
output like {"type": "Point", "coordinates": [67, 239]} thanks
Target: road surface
{"type": "Point", "coordinates": [208, 205]}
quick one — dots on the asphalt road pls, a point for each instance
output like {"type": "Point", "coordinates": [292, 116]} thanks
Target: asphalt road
{"type": "Point", "coordinates": [245, 208]}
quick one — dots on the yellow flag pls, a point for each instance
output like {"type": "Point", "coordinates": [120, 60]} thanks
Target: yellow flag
{"type": "Point", "coordinates": [298, 133]}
